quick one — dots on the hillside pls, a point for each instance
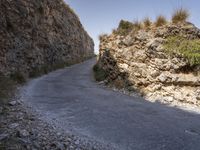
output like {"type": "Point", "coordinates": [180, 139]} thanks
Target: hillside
{"type": "Point", "coordinates": [160, 61]}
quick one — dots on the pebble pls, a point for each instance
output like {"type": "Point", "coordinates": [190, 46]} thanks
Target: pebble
{"type": "Point", "coordinates": [3, 136]}
{"type": "Point", "coordinates": [60, 146]}
{"type": "Point", "coordinates": [35, 134]}
{"type": "Point", "coordinates": [23, 133]}
{"type": "Point", "coordinates": [13, 125]}
{"type": "Point", "coordinates": [12, 103]}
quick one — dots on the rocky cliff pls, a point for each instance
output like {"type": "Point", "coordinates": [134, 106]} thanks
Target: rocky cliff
{"type": "Point", "coordinates": [39, 36]}
{"type": "Point", "coordinates": [141, 60]}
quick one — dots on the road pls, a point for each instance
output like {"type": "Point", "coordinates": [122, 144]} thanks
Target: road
{"type": "Point", "coordinates": [77, 103]}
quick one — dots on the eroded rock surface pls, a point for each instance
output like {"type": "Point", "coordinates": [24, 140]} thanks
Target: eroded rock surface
{"type": "Point", "coordinates": [40, 34]}
{"type": "Point", "coordinates": [138, 61]}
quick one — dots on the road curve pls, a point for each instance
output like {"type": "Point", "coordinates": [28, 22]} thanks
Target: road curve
{"type": "Point", "coordinates": [82, 106]}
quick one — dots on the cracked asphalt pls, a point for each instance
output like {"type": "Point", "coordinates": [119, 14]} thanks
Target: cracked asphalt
{"type": "Point", "coordinates": [74, 101]}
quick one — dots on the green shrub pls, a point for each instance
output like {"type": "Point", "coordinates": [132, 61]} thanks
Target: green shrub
{"type": "Point", "coordinates": [147, 22]}
{"type": "Point", "coordinates": [190, 49]}
{"type": "Point", "coordinates": [180, 15]}
{"type": "Point", "coordinates": [99, 73]}
{"type": "Point", "coordinates": [124, 27]}
{"type": "Point", "coordinates": [160, 21]}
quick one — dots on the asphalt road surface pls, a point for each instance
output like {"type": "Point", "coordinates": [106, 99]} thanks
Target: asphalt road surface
{"type": "Point", "coordinates": [77, 103]}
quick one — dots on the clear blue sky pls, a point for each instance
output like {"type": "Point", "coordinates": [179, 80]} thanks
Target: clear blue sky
{"type": "Point", "coordinates": [101, 16]}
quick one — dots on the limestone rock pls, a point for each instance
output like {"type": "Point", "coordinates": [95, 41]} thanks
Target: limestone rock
{"type": "Point", "coordinates": [142, 63]}
{"type": "Point", "coordinates": [13, 103]}
{"type": "Point", "coordinates": [23, 133]}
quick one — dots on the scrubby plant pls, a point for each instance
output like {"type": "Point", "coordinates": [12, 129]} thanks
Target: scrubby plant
{"type": "Point", "coordinates": [44, 69]}
{"type": "Point", "coordinates": [101, 36]}
{"type": "Point", "coordinates": [114, 31]}
{"type": "Point", "coordinates": [69, 9]}
{"type": "Point", "coordinates": [137, 25]}
{"type": "Point", "coordinates": [147, 22]}
{"type": "Point", "coordinates": [7, 87]}
{"type": "Point", "coordinates": [124, 27]}
{"type": "Point", "coordinates": [99, 73]}
{"type": "Point", "coordinates": [18, 77]}
{"type": "Point", "coordinates": [180, 15]}
{"type": "Point", "coordinates": [160, 21]}
{"type": "Point", "coordinates": [188, 48]}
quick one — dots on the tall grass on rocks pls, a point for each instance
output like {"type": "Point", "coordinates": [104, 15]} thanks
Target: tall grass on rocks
{"type": "Point", "coordinates": [180, 16]}
{"type": "Point", "coordinates": [160, 21]}
{"type": "Point", "coordinates": [147, 22]}
{"type": "Point", "coordinates": [137, 25]}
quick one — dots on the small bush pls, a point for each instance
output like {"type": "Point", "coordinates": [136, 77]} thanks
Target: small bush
{"type": "Point", "coordinates": [124, 27]}
{"type": "Point", "coordinates": [101, 36]}
{"type": "Point", "coordinates": [119, 84]}
{"type": "Point", "coordinates": [114, 31]}
{"type": "Point", "coordinates": [160, 21]}
{"type": "Point", "coordinates": [7, 87]}
{"type": "Point", "coordinates": [147, 22]}
{"type": "Point", "coordinates": [190, 49]}
{"type": "Point", "coordinates": [99, 73]}
{"type": "Point", "coordinates": [180, 15]}
{"type": "Point", "coordinates": [18, 77]}
{"type": "Point", "coordinates": [37, 72]}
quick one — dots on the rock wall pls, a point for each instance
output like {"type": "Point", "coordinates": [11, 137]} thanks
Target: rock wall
{"type": "Point", "coordinates": [138, 61]}
{"type": "Point", "coordinates": [37, 34]}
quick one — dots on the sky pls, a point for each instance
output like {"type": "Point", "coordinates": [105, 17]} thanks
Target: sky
{"type": "Point", "coordinates": [102, 16]}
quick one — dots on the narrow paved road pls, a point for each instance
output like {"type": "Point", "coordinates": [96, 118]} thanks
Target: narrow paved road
{"type": "Point", "coordinates": [130, 123]}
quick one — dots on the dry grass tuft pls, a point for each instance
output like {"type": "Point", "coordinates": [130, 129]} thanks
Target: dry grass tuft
{"type": "Point", "coordinates": [180, 16]}
{"type": "Point", "coordinates": [147, 22]}
{"type": "Point", "coordinates": [160, 21]}
{"type": "Point", "coordinates": [137, 25]}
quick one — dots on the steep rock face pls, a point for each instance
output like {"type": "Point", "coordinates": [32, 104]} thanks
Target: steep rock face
{"type": "Point", "coordinates": [138, 61]}
{"type": "Point", "coordinates": [37, 34]}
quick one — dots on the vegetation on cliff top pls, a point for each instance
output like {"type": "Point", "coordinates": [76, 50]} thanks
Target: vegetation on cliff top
{"type": "Point", "coordinates": [188, 48]}
{"type": "Point", "coordinates": [160, 21]}
{"type": "Point", "coordinates": [125, 27]}
{"type": "Point", "coordinates": [180, 15]}
{"type": "Point", "coordinates": [185, 47]}
{"type": "Point", "coordinates": [147, 22]}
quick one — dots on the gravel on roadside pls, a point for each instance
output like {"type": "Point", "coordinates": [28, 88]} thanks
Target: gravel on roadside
{"type": "Point", "coordinates": [20, 129]}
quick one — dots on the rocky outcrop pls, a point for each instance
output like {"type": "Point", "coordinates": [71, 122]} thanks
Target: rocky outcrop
{"type": "Point", "coordinates": [40, 34]}
{"type": "Point", "coordinates": [139, 61]}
